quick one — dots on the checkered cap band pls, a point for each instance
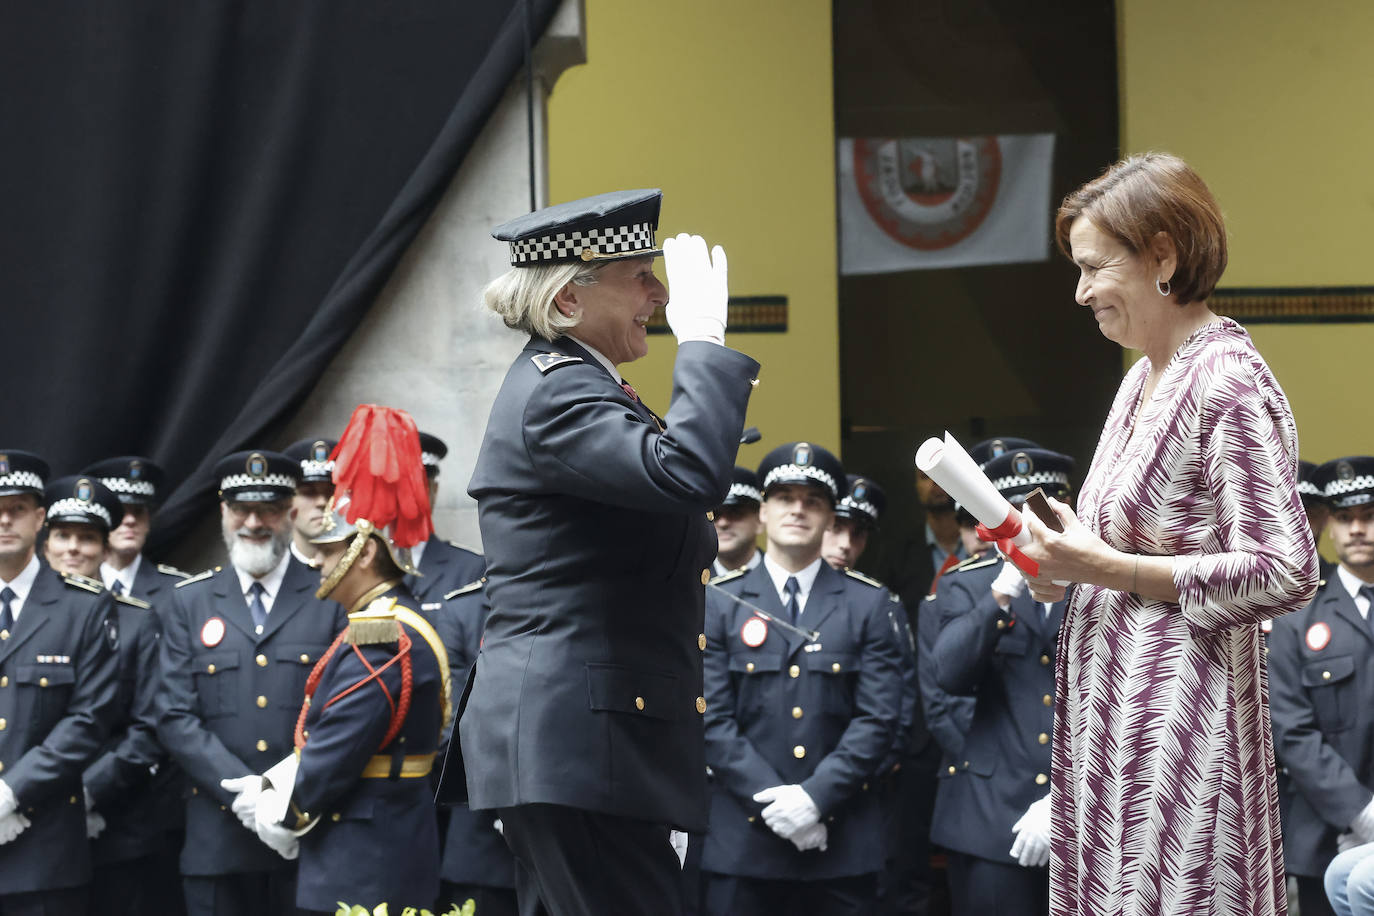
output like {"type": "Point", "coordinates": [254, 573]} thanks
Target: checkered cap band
{"type": "Point", "coordinates": [248, 482]}
{"type": "Point", "coordinates": [1337, 487]}
{"type": "Point", "coordinates": [125, 485]}
{"type": "Point", "coordinates": [744, 491]}
{"type": "Point", "coordinates": [429, 459]}
{"type": "Point", "coordinates": [797, 470]}
{"type": "Point", "coordinates": [863, 505]}
{"type": "Point", "coordinates": [564, 246]}
{"type": "Point", "coordinates": [1308, 488]}
{"type": "Point", "coordinates": [1031, 480]}
{"type": "Point", "coordinates": [70, 506]}
{"type": "Point", "coordinates": [317, 468]}
{"type": "Point", "coordinates": [26, 479]}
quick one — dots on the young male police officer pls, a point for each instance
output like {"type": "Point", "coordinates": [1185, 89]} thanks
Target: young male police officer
{"type": "Point", "coordinates": [442, 565]}
{"type": "Point", "coordinates": [737, 524]}
{"type": "Point", "coordinates": [310, 502]}
{"type": "Point", "coordinates": [803, 686]}
{"type": "Point", "coordinates": [135, 481]}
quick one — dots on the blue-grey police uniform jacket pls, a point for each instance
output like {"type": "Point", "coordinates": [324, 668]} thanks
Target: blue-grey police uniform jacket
{"type": "Point", "coordinates": [59, 694]}
{"type": "Point", "coordinates": [1005, 660]}
{"type": "Point", "coordinates": [228, 707]}
{"type": "Point", "coordinates": [444, 566]}
{"type": "Point", "coordinates": [122, 779]}
{"type": "Point", "coordinates": [899, 623]}
{"type": "Point", "coordinates": [377, 838]}
{"type": "Point", "coordinates": [474, 853]}
{"type": "Point", "coordinates": [587, 688]}
{"type": "Point", "coordinates": [819, 714]}
{"type": "Point", "coordinates": [947, 717]}
{"type": "Point", "coordinates": [1321, 698]}
{"type": "Point", "coordinates": [154, 581]}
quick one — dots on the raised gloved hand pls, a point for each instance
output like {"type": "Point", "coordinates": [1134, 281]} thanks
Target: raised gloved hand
{"type": "Point", "coordinates": [788, 810]}
{"type": "Point", "coordinates": [1363, 824]}
{"type": "Point", "coordinates": [1032, 846]}
{"type": "Point", "coordinates": [8, 803]}
{"type": "Point", "coordinates": [11, 825]}
{"type": "Point", "coordinates": [1009, 580]}
{"type": "Point", "coordinates": [276, 836]}
{"type": "Point", "coordinates": [698, 289]}
{"type": "Point", "coordinates": [246, 790]}
{"type": "Point", "coordinates": [813, 837]}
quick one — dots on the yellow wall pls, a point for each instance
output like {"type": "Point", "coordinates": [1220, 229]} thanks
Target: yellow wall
{"type": "Point", "coordinates": [727, 107]}
{"type": "Point", "coordinates": [1269, 101]}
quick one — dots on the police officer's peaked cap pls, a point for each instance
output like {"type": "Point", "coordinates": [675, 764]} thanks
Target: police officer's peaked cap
{"type": "Point", "coordinates": [135, 480]}
{"type": "Point", "coordinates": [83, 500]}
{"type": "Point", "coordinates": [313, 457]}
{"type": "Point", "coordinates": [607, 227]}
{"type": "Point", "coordinates": [257, 476]}
{"type": "Point", "coordinates": [988, 449]}
{"type": "Point", "coordinates": [21, 472]}
{"type": "Point", "coordinates": [1308, 488]}
{"type": "Point", "coordinates": [432, 451]}
{"type": "Point", "coordinates": [863, 500]}
{"type": "Point", "coordinates": [1016, 473]}
{"type": "Point", "coordinates": [744, 488]}
{"type": "Point", "coordinates": [802, 462]}
{"type": "Point", "coordinates": [1347, 481]}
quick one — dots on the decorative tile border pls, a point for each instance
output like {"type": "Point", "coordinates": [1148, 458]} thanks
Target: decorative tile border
{"type": "Point", "coordinates": [1295, 304]}
{"type": "Point", "coordinates": [747, 315]}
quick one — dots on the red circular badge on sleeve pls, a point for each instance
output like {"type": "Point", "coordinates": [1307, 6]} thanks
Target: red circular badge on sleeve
{"type": "Point", "coordinates": [1318, 636]}
{"type": "Point", "coordinates": [754, 632]}
{"type": "Point", "coordinates": [212, 632]}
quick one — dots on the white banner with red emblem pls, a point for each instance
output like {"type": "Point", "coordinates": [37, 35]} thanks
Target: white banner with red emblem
{"type": "Point", "coordinates": [917, 203]}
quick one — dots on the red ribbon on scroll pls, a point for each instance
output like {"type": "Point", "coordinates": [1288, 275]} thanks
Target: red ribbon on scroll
{"type": "Point", "coordinates": [1002, 536]}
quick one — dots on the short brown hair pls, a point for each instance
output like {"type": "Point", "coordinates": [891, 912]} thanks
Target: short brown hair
{"type": "Point", "coordinates": [1141, 196]}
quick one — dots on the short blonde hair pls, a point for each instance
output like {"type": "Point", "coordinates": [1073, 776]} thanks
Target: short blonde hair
{"type": "Point", "coordinates": [523, 296]}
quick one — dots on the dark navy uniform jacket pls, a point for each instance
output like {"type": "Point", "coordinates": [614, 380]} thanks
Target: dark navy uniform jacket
{"type": "Point", "coordinates": [474, 853]}
{"type": "Point", "coordinates": [154, 581]}
{"type": "Point", "coordinates": [58, 699]}
{"type": "Point", "coordinates": [587, 688]}
{"type": "Point", "coordinates": [947, 717]}
{"type": "Point", "coordinates": [1006, 661]}
{"type": "Point", "coordinates": [376, 839]}
{"type": "Point", "coordinates": [228, 708]}
{"type": "Point", "coordinates": [899, 624]}
{"type": "Point", "coordinates": [1321, 697]}
{"type": "Point", "coordinates": [444, 566]}
{"type": "Point", "coordinates": [820, 715]}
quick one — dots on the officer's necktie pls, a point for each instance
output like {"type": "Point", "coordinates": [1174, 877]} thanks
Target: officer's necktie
{"type": "Point", "coordinates": [629, 389]}
{"type": "Point", "coordinates": [791, 588]}
{"type": "Point", "coordinates": [118, 587]}
{"type": "Point", "coordinates": [255, 605]}
{"type": "Point", "coordinates": [6, 615]}
{"type": "Point", "coordinates": [1367, 593]}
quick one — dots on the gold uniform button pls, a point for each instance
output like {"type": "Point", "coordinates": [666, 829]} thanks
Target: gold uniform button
{"type": "Point", "coordinates": [42, 682]}
{"type": "Point", "coordinates": [194, 790]}
{"type": "Point", "coordinates": [710, 516]}
{"type": "Point", "coordinates": [3, 723]}
{"type": "Point", "coordinates": [1041, 779]}
{"type": "Point", "coordinates": [705, 576]}
{"type": "Point", "coordinates": [261, 660]}
{"type": "Point", "coordinates": [750, 818]}
{"type": "Point", "coordinates": [749, 666]}
{"type": "Point", "coordinates": [1047, 700]}
{"type": "Point", "coordinates": [799, 752]}
{"type": "Point", "coordinates": [1001, 624]}
{"type": "Point", "coordinates": [1044, 738]}
{"type": "Point", "coordinates": [701, 641]}
{"type": "Point", "coordinates": [865, 787]}
{"type": "Point", "coordinates": [794, 671]}
{"type": "Point", "coordinates": [701, 705]}
{"type": "Point", "coordinates": [796, 712]}
{"type": "Point", "coordinates": [1326, 675]}
{"type": "Point", "coordinates": [4, 634]}
{"type": "Point", "coordinates": [4, 680]}
{"type": "Point", "coordinates": [953, 770]}
{"type": "Point", "coordinates": [1044, 659]}
{"type": "Point", "coordinates": [335, 817]}
{"type": "Point", "coordinates": [209, 669]}
{"type": "Point", "coordinates": [262, 744]}
{"type": "Point", "coordinates": [2, 766]}
{"type": "Point", "coordinates": [72, 800]}
{"type": "Point", "coordinates": [639, 702]}
{"type": "Point", "coordinates": [305, 659]}
{"type": "Point", "coordinates": [223, 808]}
{"type": "Point", "coordinates": [262, 702]}
{"type": "Point", "coordinates": [835, 667]}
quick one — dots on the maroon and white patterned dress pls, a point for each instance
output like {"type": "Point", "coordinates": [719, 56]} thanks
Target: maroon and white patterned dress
{"type": "Point", "coordinates": [1162, 795]}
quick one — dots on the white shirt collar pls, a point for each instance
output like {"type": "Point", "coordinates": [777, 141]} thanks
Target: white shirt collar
{"type": "Point", "coordinates": [805, 579]}
{"type": "Point", "coordinates": [271, 583]}
{"type": "Point", "coordinates": [754, 560]}
{"type": "Point", "coordinates": [1353, 584]}
{"type": "Point", "coordinates": [296, 552]}
{"type": "Point", "coordinates": [22, 585]}
{"type": "Point", "coordinates": [600, 358]}
{"type": "Point", "coordinates": [417, 552]}
{"type": "Point", "coordinates": [109, 575]}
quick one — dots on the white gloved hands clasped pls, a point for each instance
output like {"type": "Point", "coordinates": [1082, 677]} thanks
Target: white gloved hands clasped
{"type": "Point", "coordinates": [11, 825]}
{"type": "Point", "coordinates": [246, 790]}
{"type": "Point", "coordinates": [788, 810]}
{"type": "Point", "coordinates": [277, 837]}
{"type": "Point", "coordinates": [1363, 824]}
{"type": "Point", "coordinates": [813, 837]}
{"type": "Point", "coordinates": [1032, 846]}
{"type": "Point", "coordinates": [698, 289]}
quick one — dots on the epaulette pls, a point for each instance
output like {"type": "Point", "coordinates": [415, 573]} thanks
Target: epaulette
{"type": "Point", "coordinates": [374, 625]}
{"type": "Point", "coordinates": [464, 589]}
{"type": "Point", "coordinates": [974, 563]}
{"type": "Point", "coordinates": [172, 571]}
{"type": "Point", "coordinates": [197, 577]}
{"type": "Point", "coordinates": [726, 577]}
{"type": "Point", "coordinates": [83, 582]}
{"type": "Point", "coordinates": [866, 580]}
{"type": "Point", "coordinates": [547, 362]}
{"type": "Point", "coordinates": [132, 601]}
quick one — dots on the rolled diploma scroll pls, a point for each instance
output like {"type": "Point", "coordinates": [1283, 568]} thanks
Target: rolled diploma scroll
{"type": "Point", "coordinates": [946, 463]}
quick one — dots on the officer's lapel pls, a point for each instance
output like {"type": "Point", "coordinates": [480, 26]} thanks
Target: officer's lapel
{"type": "Point", "coordinates": [231, 603]}
{"type": "Point", "coordinates": [570, 346]}
{"type": "Point", "coordinates": [756, 587]}
{"type": "Point", "coordinates": [295, 589]}
{"type": "Point", "coordinates": [33, 616]}
{"type": "Point", "coordinates": [827, 596]}
{"type": "Point", "coordinates": [1345, 608]}
{"type": "Point", "coordinates": [146, 582]}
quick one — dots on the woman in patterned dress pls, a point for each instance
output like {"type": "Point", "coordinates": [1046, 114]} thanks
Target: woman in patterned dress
{"type": "Point", "coordinates": [1189, 533]}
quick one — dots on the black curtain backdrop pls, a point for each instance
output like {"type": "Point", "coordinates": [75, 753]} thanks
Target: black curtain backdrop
{"type": "Point", "coordinates": [200, 199]}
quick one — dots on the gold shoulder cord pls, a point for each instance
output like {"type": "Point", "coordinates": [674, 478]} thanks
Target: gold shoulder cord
{"type": "Point", "coordinates": [436, 645]}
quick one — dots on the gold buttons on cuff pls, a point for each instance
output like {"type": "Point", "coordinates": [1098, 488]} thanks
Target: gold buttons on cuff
{"type": "Point", "coordinates": [835, 667]}
{"type": "Point", "coordinates": [305, 659]}
{"type": "Point", "coordinates": [1044, 659]}
{"type": "Point", "coordinates": [261, 660]}
{"type": "Point", "coordinates": [1044, 738]}
{"type": "Point", "coordinates": [1041, 779]}
{"type": "Point", "coordinates": [1326, 675]}
{"type": "Point", "coordinates": [42, 682]}
{"type": "Point", "coordinates": [1047, 700]}
{"type": "Point", "coordinates": [796, 712]}
{"type": "Point", "coordinates": [701, 641]}
{"type": "Point", "coordinates": [701, 705]}
{"type": "Point", "coordinates": [705, 576]}
{"type": "Point", "coordinates": [749, 666]}
{"type": "Point", "coordinates": [794, 671]}
{"type": "Point", "coordinates": [210, 669]}
{"type": "Point", "coordinates": [262, 702]}
{"type": "Point", "coordinates": [799, 752]}
{"type": "Point", "coordinates": [262, 744]}
{"type": "Point", "coordinates": [336, 817]}
{"type": "Point", "coordinates": [639, 702]}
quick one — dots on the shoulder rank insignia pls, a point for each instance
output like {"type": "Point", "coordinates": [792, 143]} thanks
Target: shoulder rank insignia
{"type": "Point", "coordinates": [83, 582]}
{"type": "Point", "coordinates": [172, 571]}
{"type": "Point", "coordinates": [930, 597]}
{"type": "Point", "coordinates": [374, 625]}
{"type": "Point", "coordinates": [975, 563]}
{"type": "Point", "coordinates": [546, 362]}
{"type": "Point", "coordinates": [465, 589]}
{"type": "Point", "coordinates": [196, 578]}
{"type": "Point", "coordinates": [866, 580]}
{"type": "Point", "coordinates": [726, 577]}
{"type": "Point", "coordinates": [132, 601]}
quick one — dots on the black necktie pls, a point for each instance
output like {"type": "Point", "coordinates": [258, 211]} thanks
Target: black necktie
{"type": "Point", "coordinates": [6, 615]}
{"type": "Point", "coordinates": [791, 589]}
{"type": "Point", "coordinates": [118, 587]}
{"type": "Point", "coordinates": [1367, 593]}
{"type": "Point", "coordinates": [255, 605]}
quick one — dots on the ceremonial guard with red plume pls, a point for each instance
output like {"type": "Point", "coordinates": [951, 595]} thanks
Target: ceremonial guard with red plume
{"type": "Point", "coordinates": [354, 798]}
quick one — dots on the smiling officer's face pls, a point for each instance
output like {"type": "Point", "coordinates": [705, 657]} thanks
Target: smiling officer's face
{"type": "Point", "coordinates": [796, 515]}
{"type": "Point", "coordinates": [615, 310]}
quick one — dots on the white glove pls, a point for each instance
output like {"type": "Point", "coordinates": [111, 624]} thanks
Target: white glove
{"type": "Point", "coordinates": [1009, 580]}
{"type": "Point", "coordinates": [678, 839]}
{"type": "Point", "coordinates": [1363, 824]}
{"type": "Point", "coordinates": [1032, 846]}
{"type": "Point", "coordinates": [698, 291]}
{"type": "Point", "coordinates": [246, 790]}
{"type": "Point", "coordinates": [95, 824]}
{"type": "Point", "coordinates": [813, 837]}
{"type": "Point", "coordinates": [498, 826]}
{"type": "Point", "coordinates": [11, 825]}
{"type": "Point", "coordinates": [8, 803]}
{"type": "Point", "coordinates": [1347, 841]}
{"type": "Point", "coordinates": [789, 810]}
{"type": "Point", "coordinates": [276, 836]}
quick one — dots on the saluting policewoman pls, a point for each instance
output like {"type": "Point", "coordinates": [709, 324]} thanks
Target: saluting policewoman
{"type": "Point", "coordinates": [583, 727]}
